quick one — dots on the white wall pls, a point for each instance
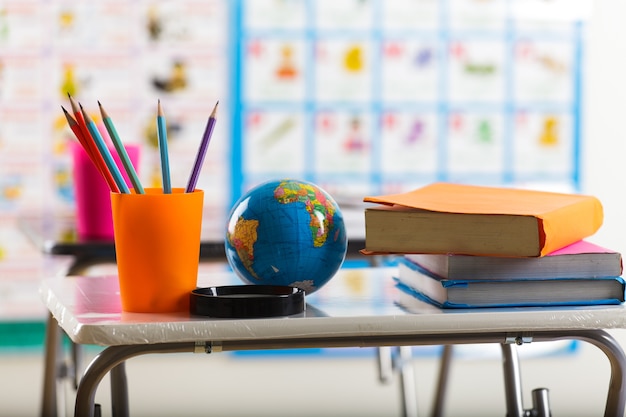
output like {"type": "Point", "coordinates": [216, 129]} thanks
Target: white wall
{"type": "Point", "coordinates": [604, 127]}
{"type": "Point", "coordinates": [604, 123]}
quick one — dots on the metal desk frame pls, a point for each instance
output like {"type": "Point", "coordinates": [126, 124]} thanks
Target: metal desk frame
{"type": "Point", "coordinates": [113, 359]}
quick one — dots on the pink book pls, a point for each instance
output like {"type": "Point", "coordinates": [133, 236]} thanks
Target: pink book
{"type": "Point", "coordinates": [580, 247]}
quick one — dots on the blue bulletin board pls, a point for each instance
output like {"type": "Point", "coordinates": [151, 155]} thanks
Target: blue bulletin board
{"type": "Point", "coordinates": [371, 96]}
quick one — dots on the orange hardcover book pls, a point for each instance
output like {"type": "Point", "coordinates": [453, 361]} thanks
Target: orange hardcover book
{"type": "Point", "coordinates": [478, 220]}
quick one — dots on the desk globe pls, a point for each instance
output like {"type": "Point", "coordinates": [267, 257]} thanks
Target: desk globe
{"type": "Point", "coordinates": [286, 232]}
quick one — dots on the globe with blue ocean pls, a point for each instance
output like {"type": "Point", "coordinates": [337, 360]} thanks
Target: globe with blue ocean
{"type": "Point", "coordinates": [286, 232]}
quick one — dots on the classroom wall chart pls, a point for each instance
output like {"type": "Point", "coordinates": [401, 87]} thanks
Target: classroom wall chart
{"type": "Point", "coordinates": [358, 96]}
{"type": "Point", "coordinates": [369, 97]}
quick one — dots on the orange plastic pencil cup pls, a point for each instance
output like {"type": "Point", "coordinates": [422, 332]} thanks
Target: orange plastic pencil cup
{"type": "Point", "coordinates": [157, 245]}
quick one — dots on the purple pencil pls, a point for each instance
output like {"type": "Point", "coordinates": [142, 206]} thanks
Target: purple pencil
{"type": "Point", "coordinates": [204, 144]}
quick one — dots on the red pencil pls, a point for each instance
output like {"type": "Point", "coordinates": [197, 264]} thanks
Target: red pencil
{"type": "Point", "coordinates": [90, 146]}
{"type": "Point", "coordinates": [79, 135]}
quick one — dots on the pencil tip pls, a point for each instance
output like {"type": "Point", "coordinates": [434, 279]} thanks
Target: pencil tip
{"type": "Point", "coordinates": [73, 103]}
{"type": "Point", "coordinates": [84, 112]}
{"type": "Point", "coordinates": [214, 112]}
{"type": "Point", "coordinates": [103, 113]}
{"type": "Point", "coordinates": [68, 117]}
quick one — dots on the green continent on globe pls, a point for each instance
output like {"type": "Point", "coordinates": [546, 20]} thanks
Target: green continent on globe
{"type": "Point", "coordinates": [315, 202]}
{"type": "Point", "coordinates": [243, 239]}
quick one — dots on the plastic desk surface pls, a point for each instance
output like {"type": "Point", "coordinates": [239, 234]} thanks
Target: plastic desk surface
{"type": "Point", "coordinates": [356, 302]}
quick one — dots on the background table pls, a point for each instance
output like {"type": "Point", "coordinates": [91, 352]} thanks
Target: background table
{"type": "Point", "coordinates": [88, 310]}
{"type": "Point", "coordinates": [56, 235]}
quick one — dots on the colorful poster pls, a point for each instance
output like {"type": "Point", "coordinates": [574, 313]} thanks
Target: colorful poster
{"type": "Point", "coordinates": [475, 145]}
{"type": "Point", "coordinates": [343, 143]}
{"type": "Point", "coordinates": [394, 94]}
{"type": "Point", "coordinates": [276, 71]}
{"type": "Point", "coordinates": [410, 70]}
{"type": "Point", "coordinates": [477, 70]}
{"type": "Point", "coordinates": [409, 144]}
{"type": "Point", "coordinates": [544, 71]}
{"type": "Point", "coordinates": [343, 70]}
{"type": "Point", "coordinates": [276, 143]}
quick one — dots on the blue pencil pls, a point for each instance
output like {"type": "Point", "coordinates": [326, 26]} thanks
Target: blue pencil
{"type": "Point", "coordinates": [106, 154]}
{"type": "Point", "coordinates": [165, 164]}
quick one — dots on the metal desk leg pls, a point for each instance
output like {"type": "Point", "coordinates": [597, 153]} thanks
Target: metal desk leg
{"type": "Point", "coordinates": [114, 357]}
{"type": "Point", "coordinates": [77, 361]}
{"type": "Point", "coordinates": [119, 390]}
{"type": "Point", "coordinates": [407, 379]}
{"type": "Point", "coordinates": [541, 403]}
{"type": "Point", "coordinates": [442, 383]}
{"type": "Point", "coordinates": [385, 364]}
{"type": "Point", "coordinates": [616, 398]}
{"type": "Point", "coordinates": [403, 364]}
{"type": "Point", "coordinates": [512, 381]}
{"type": "Point", "coordinates": [54, 366]}
{"type": "Point", "coordinates": [52, 363]}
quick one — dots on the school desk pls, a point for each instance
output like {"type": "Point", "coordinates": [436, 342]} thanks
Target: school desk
{"type": "Point", "coordinates": [88, 310]}
{"type": "Point", "coordinates": [55, 235]}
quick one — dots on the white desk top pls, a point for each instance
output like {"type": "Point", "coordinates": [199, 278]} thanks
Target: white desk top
{"type": "Point", "coordinates": [356, 302]}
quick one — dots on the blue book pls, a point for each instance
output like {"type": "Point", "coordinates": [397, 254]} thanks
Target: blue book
{"type": "Point", "coordinates": [422, 285]}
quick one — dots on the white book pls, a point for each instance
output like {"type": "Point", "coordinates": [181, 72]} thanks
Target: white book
{"type": "Point", "coordinates": [582, 259]}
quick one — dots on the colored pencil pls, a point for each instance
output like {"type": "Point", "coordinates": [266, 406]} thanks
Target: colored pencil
{"type": "Point", "coordinates": [106, 154]}
{"type": "Point", "coordinates": [78, 134]}
{"type": "Point", "coordinates": [204, 144]}
{"type": "Point", "coordinates": [121, 150]}
{"type": "Point", "coordinates": [90, 146]}
{"type": "Point", "coordinates": [162, 136]}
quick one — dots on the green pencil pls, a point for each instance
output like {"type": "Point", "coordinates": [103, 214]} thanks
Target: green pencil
{"type": "Point", "coordinates": [121, 151]}
{"type": "Point", "coordinates": [104, 151]}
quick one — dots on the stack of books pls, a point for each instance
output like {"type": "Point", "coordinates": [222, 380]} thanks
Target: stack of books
{"type": "Point", "coordinates": [465, 246]}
